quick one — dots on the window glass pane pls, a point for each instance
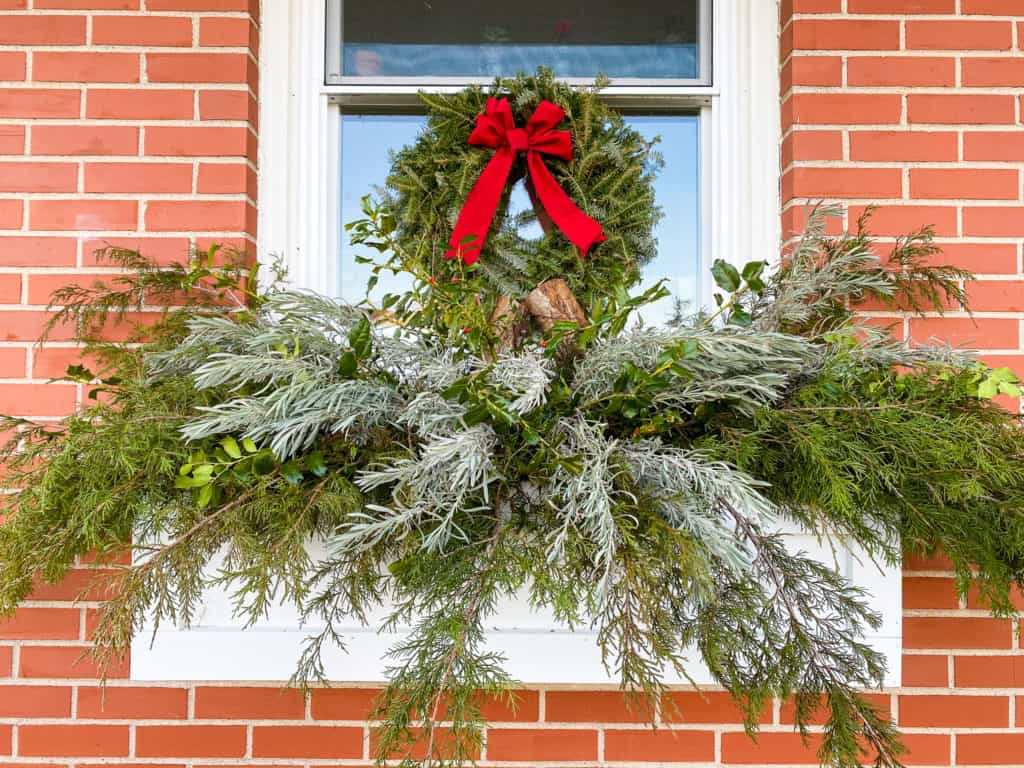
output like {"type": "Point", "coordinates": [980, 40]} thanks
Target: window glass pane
{"type": "Point", "coordinates": [576, 38]}
{"type": "Point", "coordinates": [366, 141]}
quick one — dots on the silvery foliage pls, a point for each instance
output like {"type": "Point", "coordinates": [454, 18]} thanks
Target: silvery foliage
{"type": "Point", "coordinates": [700, 496]}
{"type": "Point", "coordinates": [526, 377]}
{"type": "Point", "coordinates": [585, 501]}
{"type": "Point", "coordinates": [432, 487]}
{"type": "Point", "coordinates": [749, 367]}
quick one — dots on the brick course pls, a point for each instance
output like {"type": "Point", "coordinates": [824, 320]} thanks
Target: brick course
{"type": "Point", "coordinates": [132, 122]}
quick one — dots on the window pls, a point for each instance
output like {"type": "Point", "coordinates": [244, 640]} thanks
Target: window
{"type": "Point", "coordinates": [338, 88]}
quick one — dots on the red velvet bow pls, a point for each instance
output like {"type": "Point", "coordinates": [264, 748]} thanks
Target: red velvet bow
{"type": "Point", "coordinates": [496, 128]}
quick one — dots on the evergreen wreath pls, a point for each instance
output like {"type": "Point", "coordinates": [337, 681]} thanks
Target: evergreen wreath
{"type": "Point", "coordinates": [625, 477]}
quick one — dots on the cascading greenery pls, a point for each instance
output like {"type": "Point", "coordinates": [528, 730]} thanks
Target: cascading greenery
{"type": "Point", "coordinates": [627, 478]}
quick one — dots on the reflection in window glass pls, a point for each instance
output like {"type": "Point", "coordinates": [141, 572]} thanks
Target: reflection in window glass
{"type": "Point", "coordinates": [366, 141]}
{"type": "Point", "coordinates": [576, 38]}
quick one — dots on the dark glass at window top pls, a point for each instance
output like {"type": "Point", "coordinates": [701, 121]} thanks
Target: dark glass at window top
{"type": "Point", "coordinates": [575, 38]}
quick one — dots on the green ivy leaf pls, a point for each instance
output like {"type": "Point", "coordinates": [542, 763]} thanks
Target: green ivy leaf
{"type": "Point", "coordinates": [263, 463]}
{"type": "Point", "coordinates": [315, 463]}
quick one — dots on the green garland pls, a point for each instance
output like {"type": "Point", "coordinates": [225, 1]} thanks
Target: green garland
{"type": "Point", "coordinates": [626, 478]}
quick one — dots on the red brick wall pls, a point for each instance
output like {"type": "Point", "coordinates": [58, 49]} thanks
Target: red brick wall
{"type": "Point", "coordinates": [136, 125]}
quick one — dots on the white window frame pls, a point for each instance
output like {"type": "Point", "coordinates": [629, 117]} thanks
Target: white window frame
{"type": "Point", "coordinates": [299, 183]}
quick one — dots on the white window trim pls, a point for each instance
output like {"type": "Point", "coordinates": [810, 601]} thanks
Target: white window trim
{"type": "Point", "coordinates": [299, 182]}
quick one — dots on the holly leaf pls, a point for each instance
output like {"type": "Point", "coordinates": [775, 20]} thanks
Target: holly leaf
{"type": "Point", "coordinates": [359, 339]}
{"type": "Point", "coordinates": [726, 275]}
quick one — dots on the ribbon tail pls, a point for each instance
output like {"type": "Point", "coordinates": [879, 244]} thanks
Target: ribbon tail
{"type": "Point", "coordinates": [478, 211]}
{"type": "Point", "coordinates": [582, 231]}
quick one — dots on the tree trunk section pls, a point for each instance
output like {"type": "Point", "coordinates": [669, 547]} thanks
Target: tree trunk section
{"type": "Point", "coordinates": [552, 301]}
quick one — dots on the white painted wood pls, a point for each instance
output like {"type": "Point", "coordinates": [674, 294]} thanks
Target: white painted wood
{"type": "Point", "coordinates": [299, 178]}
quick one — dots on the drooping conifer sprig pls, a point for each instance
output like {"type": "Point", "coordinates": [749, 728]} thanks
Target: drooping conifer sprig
{"type": "Point", "coordinates": [625, 478]}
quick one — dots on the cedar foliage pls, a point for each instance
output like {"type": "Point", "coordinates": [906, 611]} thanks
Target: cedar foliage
{"type": "Point", "coordinates": [626, 478]}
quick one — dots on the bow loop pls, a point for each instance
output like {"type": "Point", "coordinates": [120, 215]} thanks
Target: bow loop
{"type": "Point", "coordinates": [496, 128]}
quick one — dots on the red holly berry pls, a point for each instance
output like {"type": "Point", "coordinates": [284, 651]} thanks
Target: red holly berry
{"type": "Point", "coordinates": [455, 279]}
{"type": "Point", "coordinates": [431, 280]}
{"type": "Point", "coordinates": [543, 344]}
{"type": "Point", "coordinates": [466, 329]}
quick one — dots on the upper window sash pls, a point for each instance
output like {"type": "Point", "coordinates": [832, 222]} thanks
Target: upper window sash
{"type": "Point", "coordinates": [376, 72]}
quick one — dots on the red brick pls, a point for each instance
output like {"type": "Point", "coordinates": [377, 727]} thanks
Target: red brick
{"type": "Point", "coordinates": [900, 71]}
{"type": "Point", "coordinates": [83, 215]}
{"type": "Point", "coordinates": [11, 212]}
{"type": "Point", "coordinates": [12, 365]}
{"type": "Point", "coordinates": [37, 29]}
{"type": "Point", "coordinates": [62, 662]}
{"type": "Point", "coordinates": [38, 177]}
{"type": "Point", "coordinates": [933, 711]}
{"type": "Point", "coordinates": [844, 34]}
{"type": "Point", "coordinates": [37, 252]}
{"type": "Point", "coordinates": [925, 671]}
{"type": "Point", "coordinates": [954, 632]}
{"type": "Point", "coordinates": [37, 623]}
{"type": "Point", "coordinates": [974, 597]}
{"type": "Point", "coordinates": [705, 707]}
{"type": "Point", "coordinates": [6, 739]}
{"type": "Point", "coordinates": [896, 220]}
{"type": "Point", "coordinates": [988, 671]}
{"type": "Point", "coordinates": [231, 32]}
{"type": "Point", "coordinates": [994, 145]}
{"type": "Point", "coordinates": [964, 183]}
{"type": "Point", "coordinates": [789, 7]}
{"type": "Point", "coordinates": [770, 748]}
{"type": "Point", "coordinates": [35, 701]}
{"type": "Point", "coordinates": [197, 67]}
{"type": "Point", "coordinates": [903, 146]}
{"type": "Point", "coordinates": [901, 6]}
{"type": "Point", "coordinates": [132, 703]}
{"type": "Point", "coordinates": [815, 70]}
{"type": "Point", "coordinates": [308, 741]}
{"type": "Point", "coordinates": [197, 141]}
{"type": "Point", "coordinates": [928, 592]}
{"type": "Point", "coordinates": [591, 706]}
{"type": "Point", "coordinates": [236, 703]}
{"type": "Point", "coordinates": [226, 105]}
{"type": "Point", "coordinates": [989, 748]}
{"type": "Point", "coordinates": [343, 703]}
{"type": "Point", "coordinates": [73, 741]}
{"type": "Point", "coordinates": [959, 35]}
{"type": "Point", "coordinates": [926, 749]}
{"type": "Point", "coordinates": [525, 707]}
{"type": "Point", "coordinates": [196, 216]}
{"type": "Point", "coordinates": [102, 5]}
{"type": "Point", "coordinates": [996, 295]}
{"type": "Point", "coordinates": [85, 67]}
{"type": "Point", "coordinates": [10, 289]}
{"type": "Point", "coordinates": [39, 102]}
{"type": "Point", "coordinates": [528, 744]}
{"type": "Point", "coordinates": [29, 326]}
{"type": "Point", "coordinates": [12, 65]}
{"type": "Point", "coordinates": [812, 145]}
{"type": "Point", "coordinates": [991, 7]}
{"type": "Point", "coordinates": [199, 5]}
{"type": "Point", "coordinates": [144, 31]}
{"type": "Point", "coordinates": [662, 745]}
{"type": "Point", "coordinates": [190, 741]}
{"type": "Point", "coordinates": [222, 178]}
{"type": "Point", "coordinates": [85, 140]}
{"type": "Point", "coordinates": [959, 109]}
{"type": "Point", "coordinates": [6, 660]}
{"type": "Point", "coordinates": [984, 221]}
{"type": "Point", "coordinates": [125, 104]}
{"type": "Point", "coordinates": [416, 749]}
{"type": "Point", "coordinates": [138, 177]}
{"type": "Point", "coordinates": [845, 108]}
{"type": "Point", "coordinates": [871, 183]}
{"type": "Point", "coordinates": [164, 250]}
{"type": "Point", "coordinates": [993, 72]}
{"type": "Point", "coordinates": [12, 139]}
{"type": "Point", "coordinates": [78, 583]}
